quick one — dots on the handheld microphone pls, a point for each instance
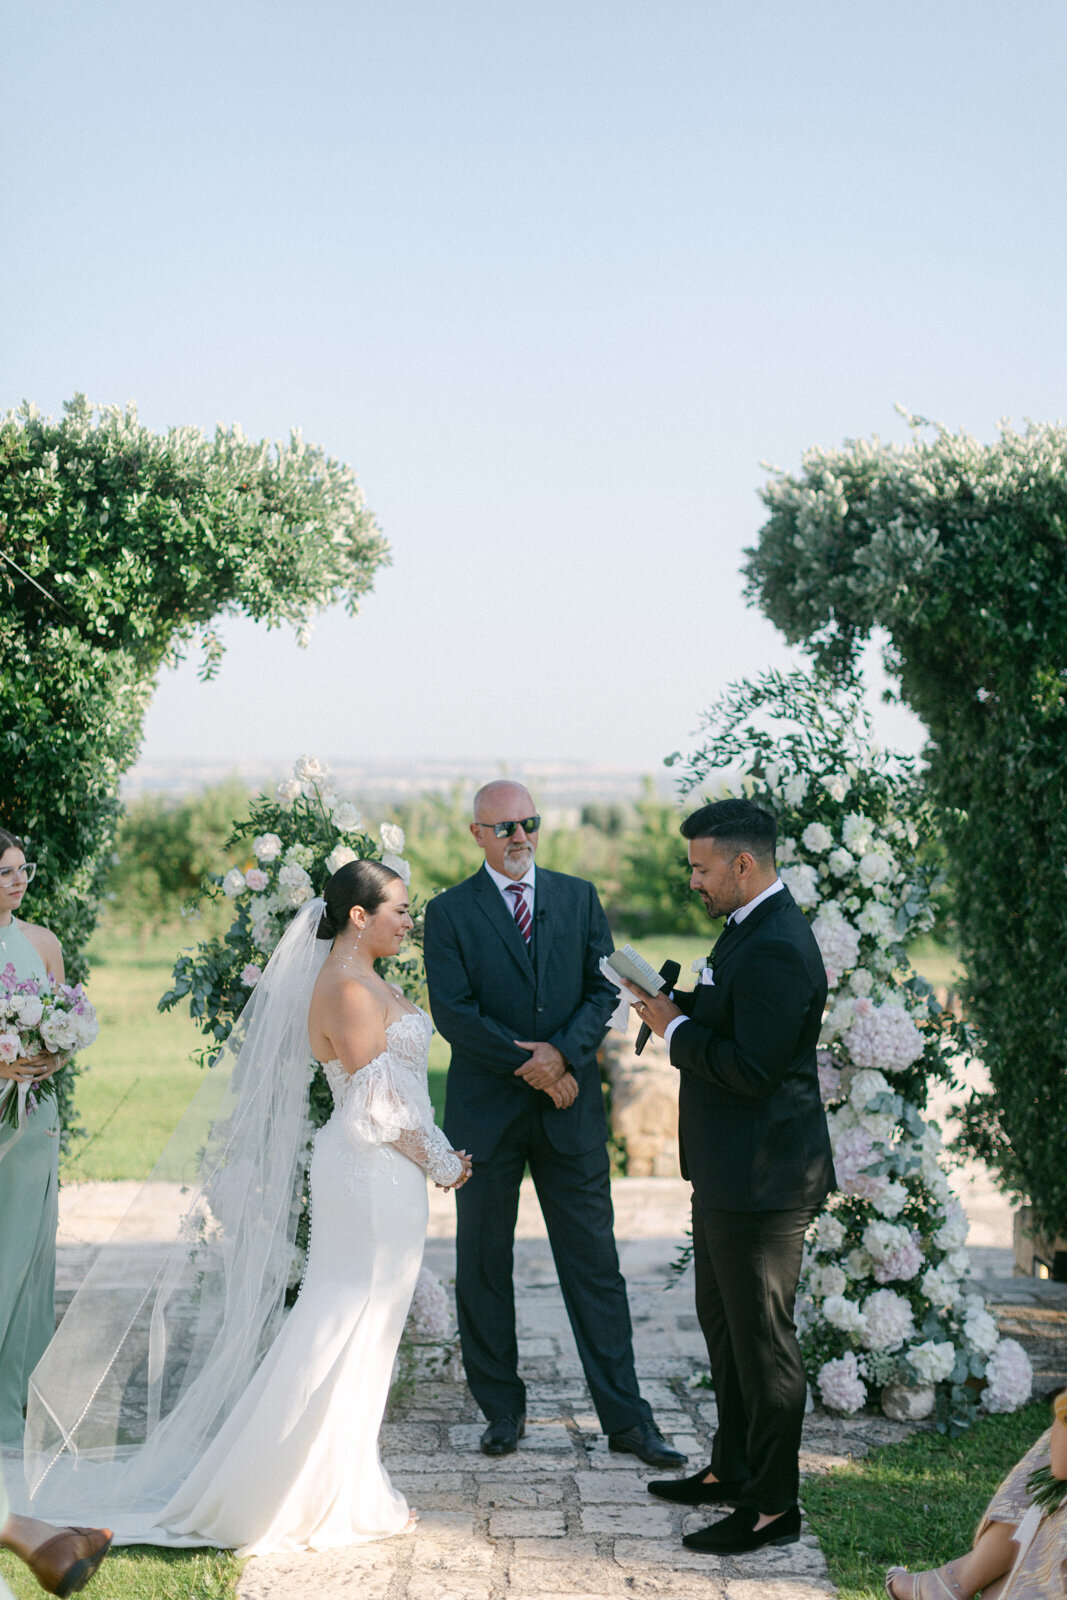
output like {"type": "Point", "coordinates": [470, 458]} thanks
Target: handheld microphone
{"type": "Point", "coordinates": [669, 972]}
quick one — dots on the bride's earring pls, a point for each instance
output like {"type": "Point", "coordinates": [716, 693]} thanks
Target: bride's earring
{"type": "Point", "coordinates": [346, 960]}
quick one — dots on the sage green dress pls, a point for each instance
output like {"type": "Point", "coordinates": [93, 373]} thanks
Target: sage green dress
{"type": "Point", "coordinates": [29, 1215]}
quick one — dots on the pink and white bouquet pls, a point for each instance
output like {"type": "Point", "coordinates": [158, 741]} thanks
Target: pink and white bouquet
{"type": "Point", "coordinates": [38, 1015]}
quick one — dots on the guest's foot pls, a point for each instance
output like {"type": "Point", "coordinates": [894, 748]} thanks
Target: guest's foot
{"type": "Point", "coordinates": [503, 1434]}
{"type": "Point", "coordinates": [645, 1441]}
{"type": "Point", "coordinates": [702, 1489]}
{"type": "Point", "coordinates": [939, 1583]}
{"type": "Point", "coordinates": [66, 1559]}
{"type": "Point", "coordinates": [746, 1529]}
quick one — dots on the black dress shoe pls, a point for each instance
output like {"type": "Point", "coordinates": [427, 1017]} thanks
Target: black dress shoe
{"type": "Point", "coordinates": [503, 1434]}
{"type": "Point", "coordinates": [736, 1534]}
{"type": "Point", "coordinates": [694, 1491]}
{"type": "Point", "coordinates": [645, 1441]}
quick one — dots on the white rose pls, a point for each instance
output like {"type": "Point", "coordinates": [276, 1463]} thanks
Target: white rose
{"type": "Point", "coordinates": [29, 1010]}
{"type": "Point", "coordinates": [827, 1281]}
{"type": "Point", "coordinates": [892, 1200]}
{"type": "Point", "coordinates": [843, 1314]}
{"type": "Point", "coordinates": [288, 790]}
{"type": "Point", "coordinates": [233, 883]}
{"type": "Point", "coordinates": [803, 884]}
{"type": "Point", "coordinates": [310, 770]}
{"type": "Point", "coordinates": [875, 868]}
{"type": "Point", "coordinates": [398, 864]}
{"type": "Point", "coordinates": [816, 838]}
{"type": "Point", "coordinates": [346, 817]}
{"type": "Point", "coordinates": [794, 789]}
{"type": "Point", "coordinates": [338, 857]}
{"type": "Point", "coordinates": [267, 847]}
{"type": "Point", "coordinates": [856, 830]}
{"type": "Point", "coordinates": [836, 786]}
{"type": "Point", "coordinates": [392, 837]}
{"type": "Point", "coordinates": [840, 862]}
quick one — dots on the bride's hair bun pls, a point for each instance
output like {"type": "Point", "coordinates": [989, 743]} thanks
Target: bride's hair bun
{"type": "Point", "coordinates": [357, 883]}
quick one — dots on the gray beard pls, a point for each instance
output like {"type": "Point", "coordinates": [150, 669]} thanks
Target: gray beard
{"type": "Point", "coordinates": [516, 864]}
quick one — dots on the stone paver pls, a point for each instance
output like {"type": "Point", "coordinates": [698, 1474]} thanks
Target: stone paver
{"type": "Point", "coordinates": [565, 1516]}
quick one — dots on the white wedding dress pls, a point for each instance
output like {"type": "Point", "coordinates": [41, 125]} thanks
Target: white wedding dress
{"type": "Point", "coordinates": [260, 1431]}
{"type": "Point", "coordinates": [296, 1465]}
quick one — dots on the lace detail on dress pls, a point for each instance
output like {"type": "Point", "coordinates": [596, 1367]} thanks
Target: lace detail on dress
{"type": "Point", "coordinates": [387, 1102]}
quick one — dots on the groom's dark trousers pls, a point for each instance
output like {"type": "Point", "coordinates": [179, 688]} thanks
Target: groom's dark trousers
{"type": "Point", "coordinates": [754, 1144]}
{"type": "Point", "coordinates": [488, 989]}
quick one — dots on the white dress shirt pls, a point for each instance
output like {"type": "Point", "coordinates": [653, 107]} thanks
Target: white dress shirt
{"type": "Point", "coordinates": [503, 883]}
{"type": "Point", "coordinates": [707, 976]}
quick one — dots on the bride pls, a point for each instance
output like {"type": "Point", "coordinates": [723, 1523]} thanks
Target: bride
{"type": "Point", "coordinates": [177, 1393]}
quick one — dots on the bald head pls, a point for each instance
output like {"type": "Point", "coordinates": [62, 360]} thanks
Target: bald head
{"type": "Point", "coordinates": [505, 801]}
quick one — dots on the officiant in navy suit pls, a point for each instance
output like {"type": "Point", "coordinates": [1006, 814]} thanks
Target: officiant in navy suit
{"type": "Point", "coordinates": [512, 964]}
{"type": "Point", "coordinates": [754, 1143]}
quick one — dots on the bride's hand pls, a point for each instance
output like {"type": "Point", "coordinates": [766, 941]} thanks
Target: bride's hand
{"type": "Point", "coordinates": [467, 1164]}
{"type": "Point", "coordinates": [32, 1069]}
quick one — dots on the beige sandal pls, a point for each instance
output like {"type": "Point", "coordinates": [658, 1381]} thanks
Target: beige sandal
{"type": "Point", "coordinates": [928, 1585]}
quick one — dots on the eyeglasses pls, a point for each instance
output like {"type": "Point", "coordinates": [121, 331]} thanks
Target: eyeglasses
{"type": "Point", "coordinates": [10, 875]}
{"type": "Point", "coordinates": [504, 830]}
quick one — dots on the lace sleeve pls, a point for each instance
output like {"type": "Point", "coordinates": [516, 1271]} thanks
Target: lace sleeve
{"type": "Point", "coordinates": [383, 1107]}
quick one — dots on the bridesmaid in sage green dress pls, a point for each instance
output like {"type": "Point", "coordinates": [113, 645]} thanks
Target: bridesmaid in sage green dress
{"type": "Point", "coordinates": [29, 1168]}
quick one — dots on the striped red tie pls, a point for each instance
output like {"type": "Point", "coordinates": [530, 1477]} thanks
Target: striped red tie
{"type": "Point", "coordinates": [521, 911]}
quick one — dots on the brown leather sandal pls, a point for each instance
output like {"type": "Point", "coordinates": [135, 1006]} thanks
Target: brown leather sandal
{"type": "Point", "coordinates": [65, 1563]}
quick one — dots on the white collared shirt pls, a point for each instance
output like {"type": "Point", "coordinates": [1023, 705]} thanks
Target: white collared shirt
{"type": "Point", "coordinates": [707, 976]}
{"type": "Point", "coordinates": [504, 883]}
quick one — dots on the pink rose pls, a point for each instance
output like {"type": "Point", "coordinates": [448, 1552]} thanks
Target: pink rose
{"type": "Point", "coordinates": [257, 881]}
{"type": "Point", "coordinates": [251, 975]}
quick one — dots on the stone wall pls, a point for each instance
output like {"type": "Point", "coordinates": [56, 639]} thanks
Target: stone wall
{"type": "Point", "coordinates": [644, 1104]}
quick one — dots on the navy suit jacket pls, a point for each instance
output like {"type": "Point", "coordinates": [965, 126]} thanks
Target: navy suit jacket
{"type": "Point", "coordinates": [487, 990]}
{"type": "Point", "coordinates": [752, 1131]}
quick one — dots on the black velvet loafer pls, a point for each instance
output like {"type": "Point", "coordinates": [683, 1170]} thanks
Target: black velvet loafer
{"type": "Point", "coordinates": [737, 1534]}
{"type": "Point", "coordinates": [694, 1491]}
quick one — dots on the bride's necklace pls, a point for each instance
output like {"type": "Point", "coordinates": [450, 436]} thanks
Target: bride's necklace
{"type": "Point", "coordinates": [5, 929]}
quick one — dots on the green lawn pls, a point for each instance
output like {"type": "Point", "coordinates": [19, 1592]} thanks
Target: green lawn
{"type": "Point", "coordinates": [145, 1573]}
{"type": "Point", "coordinates": [914, 1504]}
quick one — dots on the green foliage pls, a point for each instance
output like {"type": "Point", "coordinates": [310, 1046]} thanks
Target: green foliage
{"type": "Point", "coordinates": [165, 848]}
{"type": "Point", "coordinates": [654, 894]}
{"type": "Point", "coordinates": [957, 550]}
{"type": "Point", "coordinates": [116, 546]}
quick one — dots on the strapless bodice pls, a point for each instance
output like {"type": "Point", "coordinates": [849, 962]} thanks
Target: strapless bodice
{"type": "Point", "coordinates": [407, 1040]}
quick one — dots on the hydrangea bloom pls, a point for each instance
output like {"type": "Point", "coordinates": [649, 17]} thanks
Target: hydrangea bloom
{"type": "Point", "coordinates": [883, 1036]}
{"type": "Point", "coordinates": [837, 939]}
{"type": "Point", "coordinates": [1009, 1377]}
{"type": "Point", "coordinates": [802, 881]}
{"type": "Point", "coordinates": [889, 1320]}
{"type": "Point", "coordinates": [980, 1330]}
{"type": "Point", "coordinates": [840, 1386]}
{"type": "Point", "coordinates": [933, 1362]}
{"type": "Point", "coordinates": [840, 1312]}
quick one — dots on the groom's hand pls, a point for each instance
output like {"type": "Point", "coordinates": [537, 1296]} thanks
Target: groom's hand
{"type": "Point", "coordinates": [655, 1009]}
{"type": "Point", "coordinates": [545, 1067]}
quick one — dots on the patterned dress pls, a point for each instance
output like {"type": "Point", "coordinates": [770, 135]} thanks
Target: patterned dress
{"type": "Point", "coordinates": [1041, 1572]}
{"type": "Point", "coordinates": [29, 1215]}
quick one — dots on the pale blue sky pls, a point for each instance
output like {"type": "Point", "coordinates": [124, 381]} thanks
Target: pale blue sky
{"type": "Point", "coordinates": [554, 279]}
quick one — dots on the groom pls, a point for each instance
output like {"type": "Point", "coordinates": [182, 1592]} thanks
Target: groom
{"type": "Point", "coordinates": [512, 963]}
{"type": "Point", "coordinates": [754, 1143]}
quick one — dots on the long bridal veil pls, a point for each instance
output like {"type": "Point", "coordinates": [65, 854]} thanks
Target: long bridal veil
{"type": "Point", "coordinates": [160, 1341]}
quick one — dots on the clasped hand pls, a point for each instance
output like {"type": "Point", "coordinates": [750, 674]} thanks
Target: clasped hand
{"type": "Point", "coordinates": [33, 1069]}
{"type": "Point", "coordinates": [547, 1070]}
{"type": "Point", "coordinates": [466, 1162]}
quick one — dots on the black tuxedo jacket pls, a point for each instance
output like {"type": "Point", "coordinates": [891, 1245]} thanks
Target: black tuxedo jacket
{"type": "Point", "coordinates": [752, 1131]}
{"type": "Point", "coordinates": [487, 990]}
